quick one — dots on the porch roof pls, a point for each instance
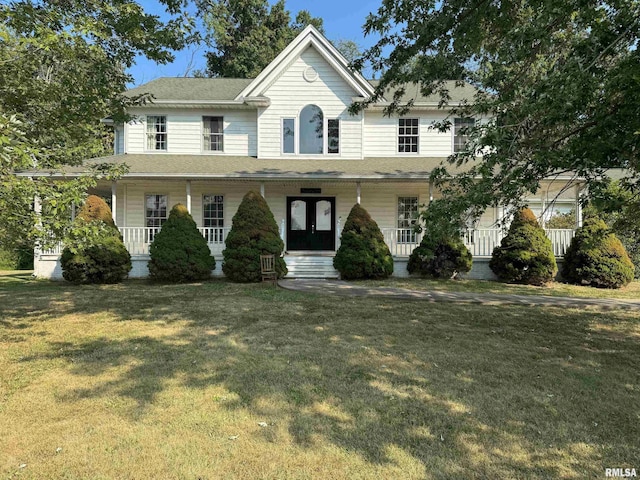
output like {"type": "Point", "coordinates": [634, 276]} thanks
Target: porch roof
{"type": "Point", "coordinates": [236, 167]}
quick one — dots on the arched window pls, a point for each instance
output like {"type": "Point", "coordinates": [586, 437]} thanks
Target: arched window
{"type": "Point", "coordinates": [311, 130]}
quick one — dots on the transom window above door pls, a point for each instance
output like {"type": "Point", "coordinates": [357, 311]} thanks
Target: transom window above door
{"type": "Point", "coordinates": [311, 133]}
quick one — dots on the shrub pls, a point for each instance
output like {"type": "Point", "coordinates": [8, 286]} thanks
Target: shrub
{"type": "Point", "coordinates": [363, 252]}
{"type": "Point", "coordinates": [442, 257]}
{"type": "Point", "coordinates": [254, 232]}
{"type": "Point", "coordinates": [597, 258]}
{"type": "Point", "coordinates": [525, 254]}
{"type": "Point", "coordinates": [179, 253]}
{"type": "Point", "coordinates": [94, 252]}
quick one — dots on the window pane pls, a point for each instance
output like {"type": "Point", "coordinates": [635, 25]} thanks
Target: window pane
{"type": "Point", "coordinates": [323, 215]}
{"type": "Point", "coordinates": [156, 132]}
{"type": "Point", "coordinates": [213, 133]}
{"type": "Point", "coordinates": [288, 135]}
{"type": "Point", "coordinates": [155, 213]}
{"type": "Point", "coordinates": [460, 134]}
{"type": "Point", "coordinates": [298, 215]}
{"type": "Point", "coordinates": [311, 130]}
{"type": "Point", "coordinates": [408, 134]}
{"type": "Point", "coordinates": [407, 217]}
{"type": "Point", "coordinates": [333, 126]}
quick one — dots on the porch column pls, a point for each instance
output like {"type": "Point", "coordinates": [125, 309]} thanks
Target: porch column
{"type": "Point", "coordinates": [189, 196]}
{"type": "Point", "coordinates": [358, 193]}
{"type": "Point", "coordinates": [114, 200]}
{"type": "Point", "coordinates": [262, 189]}
{"type": "Point", "coordinates": [578, 208]}
{"type": "Point", "coordinates": [37, 209]}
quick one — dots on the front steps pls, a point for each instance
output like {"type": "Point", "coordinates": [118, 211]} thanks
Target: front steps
{"type": "Point", "coordinates": [310, 266]}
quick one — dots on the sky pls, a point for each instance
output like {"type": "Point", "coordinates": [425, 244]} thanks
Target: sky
{"type": "Point", "coordinates": [340, 23]}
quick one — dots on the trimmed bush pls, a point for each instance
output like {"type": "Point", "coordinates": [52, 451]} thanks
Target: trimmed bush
{"type": "Point", "coordinates": [94, 252]}
{"type": "Point", "coordinates": [525, 254]}
{"type": "Point", "coordinates": [363, 252]}
{"type": "Point", "coordinates": [254, 232]}
{"type": "Point", "coordinates": [597, 258]}
{"type": "Point", "coordinates": [179, 252]}
{"type": "Point", "coordinates": [443, 257]}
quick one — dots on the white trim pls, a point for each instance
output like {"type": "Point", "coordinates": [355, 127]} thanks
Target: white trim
{"type": "Point", "coordinates": [308, 37]}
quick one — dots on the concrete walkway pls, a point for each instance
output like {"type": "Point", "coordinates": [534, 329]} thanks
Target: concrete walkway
{"type": "Point", "coordinates": [339, 287]}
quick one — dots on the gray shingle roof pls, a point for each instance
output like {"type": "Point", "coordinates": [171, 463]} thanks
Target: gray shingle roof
{"type": "Point", "coordinates": [225, 89]}
{"type": "Point", "coordinates": [192, 89]}
{"type": "Point", "coordinates": [230, 167]}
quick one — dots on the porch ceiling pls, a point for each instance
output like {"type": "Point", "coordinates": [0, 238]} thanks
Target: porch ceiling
{"type": "Point", "coordinates": [244, 168]}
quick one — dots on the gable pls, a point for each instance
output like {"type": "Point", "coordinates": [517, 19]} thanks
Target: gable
{"type": "Point", "coordinates": [309, 37]}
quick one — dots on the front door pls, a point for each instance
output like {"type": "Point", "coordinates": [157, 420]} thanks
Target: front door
{"type": "Point", "coordinates": [311, 223]}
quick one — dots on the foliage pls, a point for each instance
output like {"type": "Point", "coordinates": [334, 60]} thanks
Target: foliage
{"type": "Point", "coordinates": [62, 69]}
{"type": "Point", "coordinates": [618, 205]}
{"type": "Point", "coordinates": [94, 251]}
{"type": "Point", "coordinates": [597, 258]}
{"type": "Point", "coordinates": [363, 252]}
{"type": "Point", "coordinates": [440, 257]}
{"type": "Point", "coordinates": [562, 220]}
{"type": "Point", "coordinates": [525, 254]}
{"type": "Point", "coordinates": [556, 84]}
{"type": "Point", "coordinates": [254, 232]}
{"type": "Point", "coordinates": [246, 35]}
{"type": "Point", "coordinates": [179, 253]}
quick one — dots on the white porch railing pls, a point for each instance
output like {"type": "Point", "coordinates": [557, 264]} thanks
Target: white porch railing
{"type": "Point", "coordinates": [479, 241]}
{"type": "Point", "coordinates": [138, 239]}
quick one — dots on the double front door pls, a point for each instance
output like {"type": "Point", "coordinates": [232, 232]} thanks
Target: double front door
{"type": "Point", "coordinates": [311, 223]}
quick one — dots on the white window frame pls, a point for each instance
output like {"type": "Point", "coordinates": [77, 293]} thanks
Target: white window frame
{"type": "Point", "coordinates": [295, 135]}
{"type": "Point", "coordinates": [213, 238]}
{"type": "Point", "coordinates": [398, 152]}
{"type": "Point", "coordinates": [149, 239]}
{"type": "Point", "coordinates": [453, 132]}
{"type": "Point", "coordinates": [202, 136]}
{"type": "Point", "coordinates": [339, 120]}
{"type": "Point", "coordinates": [147, 134]}
{"type": "Point", "coordinates": [412, 238]}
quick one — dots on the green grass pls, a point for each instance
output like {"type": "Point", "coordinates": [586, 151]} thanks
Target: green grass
{"type": "Point", "coordinates": [554, 289]}
{"type": "Point", "coordinates": [171, 381]}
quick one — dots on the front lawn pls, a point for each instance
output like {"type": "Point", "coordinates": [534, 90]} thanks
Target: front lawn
{"type": "Point", "coordinates": [217, 380]}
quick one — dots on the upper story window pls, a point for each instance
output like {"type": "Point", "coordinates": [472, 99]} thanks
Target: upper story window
{"type": "Point", "coordinates": [311, 130]}
{"type": "Point", "coordinates": [460, 132]}
{"type": "Point", "coordinates": [212, 128]}
{"type": "Point", "coordinates": [311, 133]}
{"type": "Point", "coordinates": [156, 132]}
{"type": "Point", "coordinates": [408, 135]}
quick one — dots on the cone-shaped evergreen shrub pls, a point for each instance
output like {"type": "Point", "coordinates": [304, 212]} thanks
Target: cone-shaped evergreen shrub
{"type": "Point", "coordinates": [254, 232]}
{"type": "Point", "coordinates": [94, 252]}
{"type": "Point", "coordinates": [440, 257]}
{"type": "Point", "coordinates": [596, 257]}
{"type": "Point", "coordinates": [525, 254]}
{"type": "Point", "coordinates": [179, 253]}
{"type": "Point", "coordinates": [363, 252]}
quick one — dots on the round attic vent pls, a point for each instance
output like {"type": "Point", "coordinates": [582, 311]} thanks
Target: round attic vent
{"type": "Point", "coordinates": [310, 74]}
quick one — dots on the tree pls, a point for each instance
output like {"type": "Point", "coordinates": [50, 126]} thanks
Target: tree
{"type": "Point", "coordinates": [254, 232]}
{"type": "Point", "coordinates": [363, 252]}
{"type": "Point", "coordinates": [556, 83]}
{"type": "Point", "coordinates": [525, 254]}
{"type": "Point", "coordinates": [179, 252]}
{"type": "Point", "coordinates": [246, 35]}
{"type": "Point", "coordinates": [62, 69]}
{"type": "Point", "coordinates": [597, 258]}
{"type": "Point", "coordinates": [94, 251]}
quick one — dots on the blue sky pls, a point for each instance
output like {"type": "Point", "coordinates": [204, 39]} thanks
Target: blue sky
{"type": "Point", "coordinates": [343, 19]}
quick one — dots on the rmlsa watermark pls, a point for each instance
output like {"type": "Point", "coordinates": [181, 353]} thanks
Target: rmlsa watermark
{"type": "Point", "coordinates": [620, 472]}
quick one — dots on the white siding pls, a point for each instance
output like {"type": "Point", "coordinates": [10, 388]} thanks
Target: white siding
{"type": "Point", "coordinates": [184, 132]}
{"type": "Point", "coordinates": [381, 135]}
{"type": "Point", "coordinates": [291, 92]}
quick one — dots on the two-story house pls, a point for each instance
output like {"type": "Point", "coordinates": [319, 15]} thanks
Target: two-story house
{"type": "Point", "coordinates": [288, 134]}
